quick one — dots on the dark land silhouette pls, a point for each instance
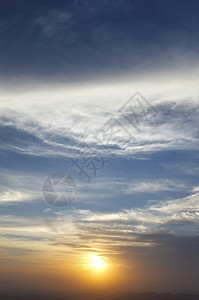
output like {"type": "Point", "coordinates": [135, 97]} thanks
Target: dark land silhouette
{"type": "Point", "coordinates": [98, 295]}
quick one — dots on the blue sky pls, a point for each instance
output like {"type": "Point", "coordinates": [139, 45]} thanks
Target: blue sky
{"type": "Point", "coordinates": [66, 68]}
{"type": "Point", "coordinates": [94, 39]}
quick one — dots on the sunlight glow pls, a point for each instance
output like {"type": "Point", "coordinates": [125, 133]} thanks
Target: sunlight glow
{"type": "Point", "coordinates": [97, 262]}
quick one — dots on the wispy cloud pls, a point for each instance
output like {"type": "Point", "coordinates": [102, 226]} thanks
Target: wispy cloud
{"type": "Point", "coordinates": [70, 120]}
{"type": "Point", "coordinates": [154, 186]}
{"type": "Point", "coordinates": [14, 196]}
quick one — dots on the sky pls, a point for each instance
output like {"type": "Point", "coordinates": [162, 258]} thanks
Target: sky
{"type": "Point", "coordinates": [99, 126]}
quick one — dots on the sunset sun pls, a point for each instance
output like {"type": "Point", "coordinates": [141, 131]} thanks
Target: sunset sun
{"type": "Point", "coordinates": [97, 262]}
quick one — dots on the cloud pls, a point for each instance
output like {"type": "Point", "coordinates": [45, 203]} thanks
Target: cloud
{"type": "Point", "coordinates": [23, 187]}
{"type": "Point", "coordinates": [14, 196]}
{"type": "Point", "coordinates": [70, 120]}
{"type": "Point", "coordinates": [150, 218]}
{"type": "Point", "coordinates": [154, 186]}
{"type": "Point", "coordinates": [186, 205]}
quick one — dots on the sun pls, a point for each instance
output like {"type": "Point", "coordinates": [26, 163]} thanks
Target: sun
{"type": "Point", "coordinates": [97, 262]}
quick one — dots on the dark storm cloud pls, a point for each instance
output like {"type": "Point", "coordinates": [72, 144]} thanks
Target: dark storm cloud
{"type": "Point", "coordinates": [94, 37]}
